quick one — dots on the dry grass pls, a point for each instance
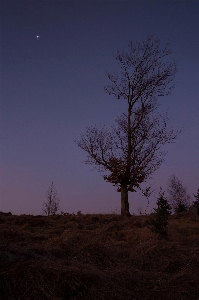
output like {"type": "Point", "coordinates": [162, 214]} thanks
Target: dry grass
{"type": "Point", "coordinates": [97, 257]}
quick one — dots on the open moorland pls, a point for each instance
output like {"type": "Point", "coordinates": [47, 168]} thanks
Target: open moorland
{"type": "Point", "coordinates": [97, 257]}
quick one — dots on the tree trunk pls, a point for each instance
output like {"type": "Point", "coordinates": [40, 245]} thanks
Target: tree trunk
{"type": "Point", "coordinates": [124, 190]}
{"type": "Point", "coordinates": [124, 201]}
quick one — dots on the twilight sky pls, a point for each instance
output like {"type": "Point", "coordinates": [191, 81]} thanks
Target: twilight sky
{"type": "Point", "coordinates": [53, 87]}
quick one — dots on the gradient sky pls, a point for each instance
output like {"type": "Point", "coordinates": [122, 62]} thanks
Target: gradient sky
{"type": "Point", "coordinates": [53, 87]}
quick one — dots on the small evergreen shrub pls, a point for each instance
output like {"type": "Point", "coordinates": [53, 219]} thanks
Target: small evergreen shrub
{"type": "Point", "coordinates": [181, 208]}
{"type": "Point", "coordinates": [159, 222]}
{"type": "Point", "coordinates": [196, 202]}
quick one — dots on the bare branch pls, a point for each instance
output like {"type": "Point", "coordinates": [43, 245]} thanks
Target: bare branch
{"type": "Point", "coordinates": [145, 68]}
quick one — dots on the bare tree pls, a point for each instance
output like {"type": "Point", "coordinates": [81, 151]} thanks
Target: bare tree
{"type": "Point", "coordinates": [51, 206]}
{"type": "Point", "coordinates": [178, 197]}
{"type": "Point", "coordinates": [130, 152]}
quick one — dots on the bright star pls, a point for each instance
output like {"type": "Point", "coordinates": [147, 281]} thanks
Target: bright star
{"type": "Point", "coordinates": [37, 37]}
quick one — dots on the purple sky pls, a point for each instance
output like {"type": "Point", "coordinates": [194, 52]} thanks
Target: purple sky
{"type": "Point", "coordinates": [53, 87]}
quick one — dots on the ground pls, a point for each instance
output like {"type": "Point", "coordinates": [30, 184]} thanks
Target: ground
{"type": "Point", "coordinates": [97, 257]}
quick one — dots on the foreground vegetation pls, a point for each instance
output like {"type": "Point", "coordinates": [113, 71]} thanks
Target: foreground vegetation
{"type": "Point", "coordinates": [98, 257]}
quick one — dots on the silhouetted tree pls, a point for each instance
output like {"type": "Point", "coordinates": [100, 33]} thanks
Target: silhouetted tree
{"type": "Point", "coordinates": [196, 202]}
{"type": "Point", "coordinates": [178, 197]}
{"type": "Point", "coordinates": [51, 206]}
{"type": "Point", "coordinates": [130, 152]}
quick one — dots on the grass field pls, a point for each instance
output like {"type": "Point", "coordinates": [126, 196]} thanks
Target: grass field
{"type": "Point", "coordinates": [98, 257]}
